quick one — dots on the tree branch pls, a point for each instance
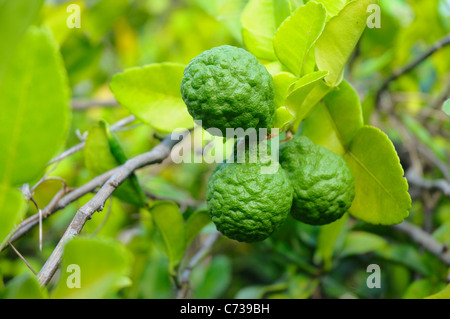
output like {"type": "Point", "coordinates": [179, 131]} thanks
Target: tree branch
{"type": "Point", "coordinates": [156, 155]}
{"type": "Point", "coordinates": [401, 71]}
{"type": "Point", "coordinates": [115, 127]}
{"type": "Point", "coordinates": [425, 240]}
{"type": "Point", "coordinates": [195, 260]}
{"type": "Point", "coordinates": [83, 104]}
{"type": "Point", "coordinates": [439, 184]}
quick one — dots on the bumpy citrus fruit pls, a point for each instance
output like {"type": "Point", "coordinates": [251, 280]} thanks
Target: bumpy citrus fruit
{"type": "Point", "coordinates": [245, 204]}
{"type": "Point", "coordinates": [323, 183]}
{"type": "Point", "coordinates": [227, 87]}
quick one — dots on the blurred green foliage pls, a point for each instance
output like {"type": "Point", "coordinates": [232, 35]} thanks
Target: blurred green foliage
{"type": "Point", "coordinates": [299, 261]}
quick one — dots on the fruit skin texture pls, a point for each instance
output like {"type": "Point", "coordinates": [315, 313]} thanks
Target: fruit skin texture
{"type": "Point", "coordinates": [323, 184]}
{"type": "Point", "coordinates": [227, 87]}
{"type": "Point", "coordinates": [246, 205]}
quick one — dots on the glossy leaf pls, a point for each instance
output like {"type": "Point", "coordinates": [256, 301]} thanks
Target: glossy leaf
{"type": "Point", "coordinates": [283, 118]}
{"type": "Point", "coordinates": [99, 158]}
{"type": "Point", "coordinates": [12, 207]}
{"type": "Point", "coordinates": [334, 123]}
{"type": "Point", "coordinates": [34, 112]}
{"type": "Point", "coordinates": [381, 190]}
{"type": "Point", "coordinates": [152, 93]}
{"type": "Point", "coordinates": [101, 264]}
{"type": "Point", "coordinates": [339, 38]}
{"type": "Point", "coordinates": [327, 239]}
{"type": "Point", "coordinates": [24, 286]}
{"type": "Point", "coordinates": [170, 224]}
{"type": "Point", "coordinates": [297, 34]}
{"type": "Point", "coordinates": [281, 83]}
{"type": "Point", "coordinates": [333, 7]}
{"type": "Point", "coordinates": [195, 224]}
{"type": "Point", "coordinates": [360, 242]}
{"type": "Point", "coordinates": [260, 20]}
{"type": "Point", "coordinates": [304, 94]}
{"type": "Point", "coordinates": [15, 17]}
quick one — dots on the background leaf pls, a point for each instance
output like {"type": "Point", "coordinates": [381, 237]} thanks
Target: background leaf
{"type": "Point", "coordinates": [339, 38]}
{"type": "Point", "coordinates": [25, 286]}
{"type": "Point", "coordinates": [170, 224]}
{"type": "Point", "coordinates": [15, 17]}
{"type": "Point", "coordinates": [446, 107]}
{"type": "Point", "coordinates": [12, 207]}
{"type": "Point", "coordinates": [103, 264]}
{"type": "Point", "coordinates": [297, 34]}
{"type": "Point", "coordinates": [361, 242]}
{"type": "Point", "coordinates": [152, 93]}
{"type": "Point", "coordinates": [195, 224]}
{"type": "Point", "coordinates": [34, 112]}
{"type": "Point", "coordinates": [334, 123]}
{"type": "Point", "coordinates": [99, 159]}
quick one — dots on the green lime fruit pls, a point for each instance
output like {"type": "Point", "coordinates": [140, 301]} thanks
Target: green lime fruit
{"type": "Point", "coordinates": [227, 87]}
{"type": "Point", "coordinates": [323, 184]}
{"type": "Point", "coordinates": [245, 204]}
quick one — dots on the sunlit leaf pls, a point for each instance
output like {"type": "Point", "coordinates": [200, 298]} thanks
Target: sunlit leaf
{"type": "Point", "coordinates": [339, 38]}
{"type": "Point", "coordinates": [34, 112]}
{"type": "Point", "coordinates": [152, 93]}
{"type": "Point", "coordinates": [100, 263]}
{"type": "Point", "coordinates": [297, 34]}
{"type": "Point", "coordinates": [281, 83]}
{"type": "Point", "coordinates": [283, 118]}
{"type": "Point", "coordinates": [446, 107]}
{"type": "Point", "coordinates": [15, 17]}
{"type": "Point", "coordinates": [443, 294]}
{"type": "Point", "coordinates": [381, 190]}
{"type": "Point", "coordinates": [333, 7]}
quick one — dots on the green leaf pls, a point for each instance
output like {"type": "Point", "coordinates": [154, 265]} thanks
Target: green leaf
{"type": "Point", "coordinates": [304, 94]}
{"type": "Point", "coordinates": [170, 224]}
{"type": "Point", "coordinates": [381, 190]}
{"type": "Point", "coordinates": [12, 207]}
{"type": "Point", "coordinates": [213, 281]}
{"type": "Point", "coordinates": [334, 123]}
{"type": "Point", "coordinates": [99, 158]}
{"type": "Point", "coordinates": [326, 241]}
{"type": "Point", "coordinates": [360, 242]}
{"type": "Point", "coordinates": [101, 264]}
{"type": "Point", "coordinates": [260, 20]}
{"type": "Point", "coordinates": [446, 107]}
{"type": "Point", "coordinates": [101, 17]}
{"type": "Point", "coordinates": [34, 112]}
{"type": "Point", "coordinates": [443, 294]}
{"type": "Point", "coordinates": [420, 289]}
{"type": "Point", "coordinates": [15, 17]}
{"type": "Point", "coordinates": [333, 7]}
{"type": "Point", "coordinates": [339, 38]}
{"type": "Point", "coordinates": [281, 83]}
{"type": "Point", "coordinates": [296, 36]}
{"type": "Point", "coordinates": [195, 224]}
{"type": "Point", "coordinates": [283, 118]}
{"type": "Point", "coordinates": [404, 254]}
{"type": "Point", "coordinates": [152, 93]}
{"type": "Point", "coordinates": [24, 286]}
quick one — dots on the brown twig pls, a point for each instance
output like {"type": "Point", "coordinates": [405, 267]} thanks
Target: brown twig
{"type": "Point", "coordinates": [401, 71]}
{"type": "Point", "coordinates": [23, 258]}
{"type": "Point", "coordinates": [194, 261]}
{"type": "Point", "coordinates": [425, 240]}
{"type": "Point", "coordinates": [156, 155]}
